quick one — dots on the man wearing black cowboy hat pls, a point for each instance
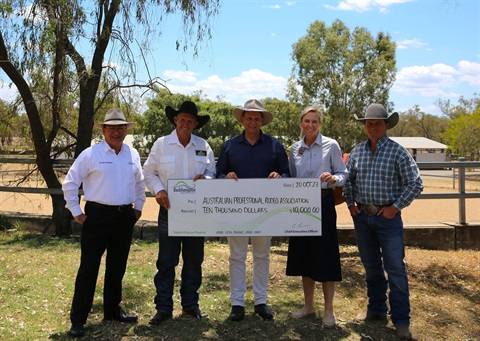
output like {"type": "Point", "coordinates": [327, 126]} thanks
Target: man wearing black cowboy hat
{"type": "Point", "coordinates": [112, 179]}
{"type": "Point", "coordinates": [383, 179]}
{"type": "Point", "coordinates": [180, 155]}
{"type": "Point", "coordinates": [252, 154]}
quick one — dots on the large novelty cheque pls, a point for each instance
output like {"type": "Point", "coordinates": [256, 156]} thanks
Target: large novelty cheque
{"type": "Point", "coordinates": [247, 207]}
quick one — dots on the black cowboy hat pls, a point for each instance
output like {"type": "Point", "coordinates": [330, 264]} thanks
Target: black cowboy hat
{"type": "Point", "coordinates": [190, 108]}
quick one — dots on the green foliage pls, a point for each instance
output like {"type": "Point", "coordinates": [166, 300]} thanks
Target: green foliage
{"type": "Point", "coordinates": [286, 120]}
{"type": "Point", "coordinates": [154, 122]}
{"type": "Point", "coordinates": [13, 125]}
{"type": "Point", "coordinates": [463, 135]}
{"type": "Point", "coordinates": [222, 125]}
{"type": "Point", "coordinates": [344, 72]}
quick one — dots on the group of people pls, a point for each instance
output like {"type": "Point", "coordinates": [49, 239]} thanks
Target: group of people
{"type": "Point", "coordinates": [379, 179]}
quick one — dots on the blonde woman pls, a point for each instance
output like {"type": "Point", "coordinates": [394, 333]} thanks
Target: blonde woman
{"type": "Point", "coordinates": [317, 258]}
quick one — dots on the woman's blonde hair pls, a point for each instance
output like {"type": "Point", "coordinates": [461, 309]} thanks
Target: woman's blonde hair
{"type": "Point", "coordinates": [305, 111]}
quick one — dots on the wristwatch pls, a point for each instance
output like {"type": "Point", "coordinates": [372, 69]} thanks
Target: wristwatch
{"type": "Point", "coordinates": [334, 179]}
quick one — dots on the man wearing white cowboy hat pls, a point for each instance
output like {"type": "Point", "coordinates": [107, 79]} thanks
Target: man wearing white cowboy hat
{"type": "Point", "coordinates": [112, 179]}
{"type": "Point", "coordinates": [252, 154]}
{"type": "Point", "coordinates": [382, 179]}
{"type": "Point", "coordinates": [180, 155]}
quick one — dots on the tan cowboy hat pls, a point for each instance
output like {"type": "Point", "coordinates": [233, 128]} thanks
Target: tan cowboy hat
{"type": "Point", "coordinates": [377, 112]}
{"type": "Point", "coordinates": [253, 105]}
{"type": "Point", "coordinates": [115, 117]}
{"type": "Point", "coordinates": [187, 107]}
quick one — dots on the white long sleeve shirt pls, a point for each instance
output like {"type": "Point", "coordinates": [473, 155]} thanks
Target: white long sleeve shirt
{"type": "Point", "coordinates": [169, 159]}
{"type": "Point", "coordinates": [108, 178]}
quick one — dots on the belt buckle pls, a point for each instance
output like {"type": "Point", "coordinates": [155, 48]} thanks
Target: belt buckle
{"type": "Point", "coordinates": [122, 208]}
{"type": "Point", "coordinates": [370, 209]}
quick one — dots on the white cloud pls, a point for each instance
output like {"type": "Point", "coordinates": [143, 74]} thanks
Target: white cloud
{"type": "Point", "coordinates": [366, 5]}
{"type": "Point", "coordinates": [180, 76]}
{"type": "Point", "coordinates": [410, 43]}
{"type": "Point", "coordinates": [427, 81]}
{"type": "Point", "coordinates": [253, 83]}
{"type": "Point", "coordinates": [469, 72]}
{"type": "Point", "coordinates": [276, 6]}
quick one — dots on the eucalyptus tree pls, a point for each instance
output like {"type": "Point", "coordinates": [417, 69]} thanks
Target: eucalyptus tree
{"type": "Point", "coordinates": [286, 122]}
{"type": "Point", "coordinates": [9, 126]}
{"type": "Point", "coordinates": [74, 42]}
{"type": "Point", "coordinates": [463, 130]}
{"type": "Point", "coordinates": [344, 71]}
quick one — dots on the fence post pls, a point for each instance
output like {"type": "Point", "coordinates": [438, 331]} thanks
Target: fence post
{"type": "Point", "coordinates": [461, 189]}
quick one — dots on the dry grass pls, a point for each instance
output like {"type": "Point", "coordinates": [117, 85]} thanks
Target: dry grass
{"type": "Point", "coordinates": [37, 274]}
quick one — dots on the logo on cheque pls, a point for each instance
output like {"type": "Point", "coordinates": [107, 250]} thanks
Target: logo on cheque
{"type": "Point", "coordinates": [183, 188]}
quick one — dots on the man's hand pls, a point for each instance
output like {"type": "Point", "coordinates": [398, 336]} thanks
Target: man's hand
{"type": "Point", "coordinates": [138, 214]}
{"type": "Point", "coordinates": [80, 218]}
{"type": "Point", "coordinates": [162, 199]}
{"type": "Point", "coordinates": [198, 176]}
{"type": "Point", "coordinates": [388, 212]}
{"type": "Point", "coordinates": [232, 175]}
{"type": "Point", "coordinates": [354, 210]}
{"type": "Point", "coordinates": [274, 175]}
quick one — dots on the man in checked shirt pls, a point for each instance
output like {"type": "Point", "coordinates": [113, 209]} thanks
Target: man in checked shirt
{"type": "Point", "coordinates": [382, 179]}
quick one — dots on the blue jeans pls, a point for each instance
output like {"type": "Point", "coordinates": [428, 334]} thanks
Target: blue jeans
{"type": "Point", "coordinates": [381, 247]}
{"type": "Point", "coordinates": [168, 258]}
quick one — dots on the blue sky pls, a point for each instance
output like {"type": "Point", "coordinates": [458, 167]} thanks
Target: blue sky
{"type": "Point", "coordinates": [438, 52]}
{"type": "Point", "coordinates": [249, 56]}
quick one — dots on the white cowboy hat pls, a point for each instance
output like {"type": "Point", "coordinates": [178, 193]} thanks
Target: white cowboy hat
{"type": "Point", "coordinates": [115, 117]}
{"type": "Point", "coordinates": [253, 105]}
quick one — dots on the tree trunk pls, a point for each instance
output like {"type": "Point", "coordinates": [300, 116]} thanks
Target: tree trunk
{"type": "Point", "coordinates": [61, 216]}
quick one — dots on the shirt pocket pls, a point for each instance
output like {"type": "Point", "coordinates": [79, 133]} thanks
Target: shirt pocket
{"type": "Point", "coordinates": [167, 165]}
{"type": "Point", "coordinates": [201, 164]}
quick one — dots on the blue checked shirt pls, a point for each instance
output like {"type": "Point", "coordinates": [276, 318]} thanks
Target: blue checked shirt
{"type": "Point", "coordinates": [388, 176]}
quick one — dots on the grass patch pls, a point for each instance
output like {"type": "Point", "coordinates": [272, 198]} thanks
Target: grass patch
{"type": "Point", "coordinates": [37, 275]}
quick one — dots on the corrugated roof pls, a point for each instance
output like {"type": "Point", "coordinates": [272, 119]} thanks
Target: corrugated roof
{"type": "Point", "coordinates": [418, 143]}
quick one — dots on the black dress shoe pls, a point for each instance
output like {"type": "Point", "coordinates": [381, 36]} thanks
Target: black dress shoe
{"type": "Point", "coordinates": [237, 314]}
{"type": "Point", "coordinates": [194, 312]}
{"type": "Point", "coordinates": [263, 311]}
{"type": "Point", "coordinates": [121, 316]}
{"type": "Point", "coordinates": [76, 330]}
{"type": "Point", "coordinates": [159, 317]}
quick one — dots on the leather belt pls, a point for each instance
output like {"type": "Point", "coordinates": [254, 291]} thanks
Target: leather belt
{"type": "Point", "coordinates": [370, 209]}
{"type": "Point", "coordinates": [118, 208]}
{"type": "Point", "coordinates": [326, 192]}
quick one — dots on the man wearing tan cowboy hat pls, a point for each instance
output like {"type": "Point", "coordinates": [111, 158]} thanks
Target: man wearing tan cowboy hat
{"type": "Point", "coordinates": [252, 154]}
{"type": "Point", "coordinates": [180, 155]}
{"type": "Point", "coordinates": [114, 191]}
{"type": "Point", "coordinates": [382, 179]}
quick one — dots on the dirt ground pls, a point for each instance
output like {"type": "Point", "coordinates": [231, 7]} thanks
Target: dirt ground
{"type": "Point", "coordinates": [421, 212]}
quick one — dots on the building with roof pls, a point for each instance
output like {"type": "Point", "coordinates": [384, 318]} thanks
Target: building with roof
{"type": "Point", "coordinates": [423, 149]}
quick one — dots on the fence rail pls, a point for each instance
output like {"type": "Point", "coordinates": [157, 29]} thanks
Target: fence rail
{"type": "Point", "coordinates": [458, 172]}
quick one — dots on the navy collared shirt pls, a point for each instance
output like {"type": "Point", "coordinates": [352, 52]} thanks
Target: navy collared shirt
{"type": "Point", "coordinates": [252, 161]}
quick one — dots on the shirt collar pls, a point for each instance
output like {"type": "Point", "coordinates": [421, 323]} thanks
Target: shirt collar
{"type": "Point", "coordinates": [380, 143]}
{"type": "Point", "coordinates": [261, 137]}
{"type": "Point", "coordinates": [174, 139]}
{"type": "Point", "coordinates": [318, 141]}
{"type": "Point", "coordinates": [106, 147]}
